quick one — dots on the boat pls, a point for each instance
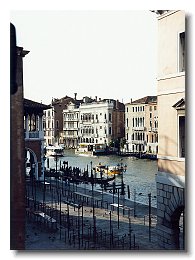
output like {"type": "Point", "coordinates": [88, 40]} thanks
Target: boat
{"type": "Point", "coordinates": [110, 170]}
{"type": "Point", "coordinates": [89, 149]}
{"type": "Point", "coordinates": [84, 149]}
{"type": "Point", "coordinates": [52, 150]}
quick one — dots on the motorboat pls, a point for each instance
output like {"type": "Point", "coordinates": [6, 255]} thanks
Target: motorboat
{"type": "Point", "coordinates": [52, 150]}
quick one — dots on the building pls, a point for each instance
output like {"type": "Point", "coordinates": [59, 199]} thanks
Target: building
{"type": "Point", "coordinates": [48, 126]}
{"type": "Point", "coordinates": [58, 106]}
{"type": "Point", "coordinates": [26, 136]}
{"type": "Point", "coordinates": [71, 124]}
{"type": "Point", "coordinates": [34, 137]}
{"type": "Point", "coordinates": [141, 126]}
{"type": "Point", "coordinates": [101, 122]}
{"type": "Point", "coordinates": [171, 128]}
{"type": "Point", "coordinates": [17, 148]}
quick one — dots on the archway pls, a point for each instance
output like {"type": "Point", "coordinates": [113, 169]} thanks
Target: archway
{"type": "Point", "coordinates": [31, 165]}
{"type": "Point", "coordinates": [171, 217]}
{"type": "Point", "coordinates": [178, 227]}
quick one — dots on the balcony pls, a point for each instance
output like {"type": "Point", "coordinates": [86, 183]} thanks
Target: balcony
{"type": "Point", "coordinates": [138, 128]}
{"type": "Point", "coordinates": [138, 142]}
{"type": "Point", "coordinates": [152, 129]}
{"type": "Point", "coordinates": [34, 135]}
{"type": "Point", "coordinates": [70, 129]}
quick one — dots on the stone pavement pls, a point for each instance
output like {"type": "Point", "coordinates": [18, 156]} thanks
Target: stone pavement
{"type": "Point", "coordinates": [102, 227]}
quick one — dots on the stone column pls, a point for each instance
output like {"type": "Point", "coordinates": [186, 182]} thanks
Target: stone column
{"type": "Point", "coordinates": [27, 126]}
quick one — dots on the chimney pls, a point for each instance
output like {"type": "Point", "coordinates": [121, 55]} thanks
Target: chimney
{"type": "Point", "coordinates": [96, 98]}
{"type": "Point", "coordinates": [131, 100]}
{"type": "Point", "coordinates": [75, 96]}
{"type": "Point", "coordinates": [117, 103]}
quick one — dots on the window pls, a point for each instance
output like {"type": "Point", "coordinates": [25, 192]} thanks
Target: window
{"type": "Point", "coordinates": [133, 121]}
{"type": "Point", "coordinates": [150, 108]}
{"type": "Point", "coordinates": [127, 109]}
{"type": "Point", "coordinates": [127, 136]}
{"type": "Point", "coordinates": [154, 107]}
{"type": "Point", "coordinates": [110, 130]}
{"type": "Point", "coordinates": [182, 52]}
{"type": "Point", "coordinates": [127, 120]}
{"type": "Point", "coordinates": [57, 124]}
{"type": "Point", "coordinates": [181, 136]}
{"type": "Point", "coordinates": [133, 109]}
{"type": "Point", "coordinates": [110, 117]}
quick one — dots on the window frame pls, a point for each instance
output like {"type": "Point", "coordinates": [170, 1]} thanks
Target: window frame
{"type": "Point", "coordinates": [178, 52]}
{"type": "Point", "coordinates": [178, 136]}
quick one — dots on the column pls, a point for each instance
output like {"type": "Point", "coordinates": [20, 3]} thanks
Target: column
{"type": "Point", "coordinates": [27, 126]}
{"type": "Point", "coordinates": [41, 134]}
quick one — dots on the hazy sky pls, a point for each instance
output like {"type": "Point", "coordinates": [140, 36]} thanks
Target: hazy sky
{"type": "Point", "coordinates": [109, 54]}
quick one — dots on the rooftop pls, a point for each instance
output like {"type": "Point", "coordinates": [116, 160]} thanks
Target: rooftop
{"type": "Point", "coordinates": [31, 106]}
{"type": "Point", "coordinates": [144, 100]}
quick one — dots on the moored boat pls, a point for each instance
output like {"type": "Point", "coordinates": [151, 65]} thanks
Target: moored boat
{"type": "Point", "coordinates": [110, 170]}
{"type": "Point", "coordinates": [52, 150]}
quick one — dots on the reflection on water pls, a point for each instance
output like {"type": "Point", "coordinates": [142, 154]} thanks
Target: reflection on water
{"type": "Point", "coordinates": [140, 173]}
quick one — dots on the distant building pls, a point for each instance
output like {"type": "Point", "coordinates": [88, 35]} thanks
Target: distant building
{"type": "Point", "coordinates": [71, 124]}
{"type": "Point", "coordinates": [92, 121]}
{"type": "Point", "coordinates": [101, 122]}
{"type": "Point", "coordinates": [171, 115]}
{"type": "Point", "coordinates": [141, 125]}
{"type": "Point", "coordinates": [58, 106]}
{"type": "Point", "coordinates": [48, 126]}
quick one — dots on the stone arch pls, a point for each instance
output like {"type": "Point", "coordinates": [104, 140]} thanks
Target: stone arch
{"type": "Point", "coordinates": [35, 160]}
{"type": "Point", "coordinates": [169, 214]}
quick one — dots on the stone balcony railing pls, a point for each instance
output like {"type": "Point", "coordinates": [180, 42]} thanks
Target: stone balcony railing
{"type": "Point", "coordinates": [139, 128]}
{"type": "Point", "coordinates": [138, 142]}
{"type": "Point", "coordinates": [34, 135]}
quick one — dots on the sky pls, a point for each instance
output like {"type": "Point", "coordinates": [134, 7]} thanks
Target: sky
{"type": "Point", "coordinates": [108, 54]}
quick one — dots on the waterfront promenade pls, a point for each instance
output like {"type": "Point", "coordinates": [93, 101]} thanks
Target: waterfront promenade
{"type": "Point", "coordinates": [87, 219]}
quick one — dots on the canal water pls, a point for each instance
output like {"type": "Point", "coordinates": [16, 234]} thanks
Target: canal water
{"type": "Point", "coordinates": [139, 175]}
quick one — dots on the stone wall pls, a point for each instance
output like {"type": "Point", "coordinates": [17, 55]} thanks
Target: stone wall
{"type": "Point", "coordinates": [170, 205]}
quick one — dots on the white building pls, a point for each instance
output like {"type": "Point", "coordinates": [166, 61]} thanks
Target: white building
{"type": "Point", "coordinates": [141, 125]}
{"type": "Point", "coordinates": [71, 125]}
{"type": "Point", "coordinates": [95, 124]}
{"type": "Point", "coordinates": [48, 126]}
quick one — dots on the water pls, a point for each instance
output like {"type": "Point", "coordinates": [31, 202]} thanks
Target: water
{"type": "Point", "coordinates": [140, 173]}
